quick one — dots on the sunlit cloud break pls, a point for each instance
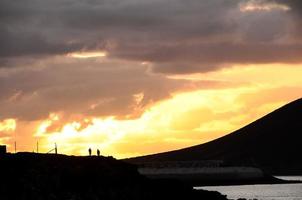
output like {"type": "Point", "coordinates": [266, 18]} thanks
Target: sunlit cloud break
{"type": "Point", "coordinates": [260, 5]}
{"type": "Point", "coordinates": [89, 54]}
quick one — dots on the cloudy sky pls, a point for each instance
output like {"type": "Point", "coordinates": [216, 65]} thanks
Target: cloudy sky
{"type": "Point", "coordinates": [135, 77]}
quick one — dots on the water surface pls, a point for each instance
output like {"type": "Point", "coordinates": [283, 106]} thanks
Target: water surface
{"type": "Point", "coordinates": [262, 192]}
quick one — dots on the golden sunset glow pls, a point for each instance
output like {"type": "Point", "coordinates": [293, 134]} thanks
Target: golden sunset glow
{"type": "Point", "coordinates": [187, 118]}
{"type": "Point", "coordinates": [7, 128]}
{"type": "Point", "coordinates": [8, 125]}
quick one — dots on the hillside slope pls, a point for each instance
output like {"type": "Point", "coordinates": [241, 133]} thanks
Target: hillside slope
{"type": "Point", "coordinates": [272, 142]}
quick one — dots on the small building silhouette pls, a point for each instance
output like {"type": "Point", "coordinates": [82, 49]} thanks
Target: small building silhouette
{"type": "Point", "coordinates": [2, 149]}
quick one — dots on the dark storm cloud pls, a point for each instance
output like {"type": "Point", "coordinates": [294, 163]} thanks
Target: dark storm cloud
{"type": "Point", "coordinates": [190, 36]}
{"type": "Point", "coordinates": [173, 36]}
{"type": "Point", "coordinates": [205, 57]}
{"type": "Point", "coordinates": [19, 44]}
{"type": "Point", "coordinates": [295, 5]}
{"type": "Point", "coordinates": [296, 17]}
{"type": "Point", "coordinates": [32, 27]}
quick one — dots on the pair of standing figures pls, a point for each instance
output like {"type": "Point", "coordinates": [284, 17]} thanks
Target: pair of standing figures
{"type": "Point", "coordinates": [97, 152]}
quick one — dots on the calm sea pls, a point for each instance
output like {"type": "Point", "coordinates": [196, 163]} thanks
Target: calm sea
{"type": "Point", "coordinates": [262, 192]}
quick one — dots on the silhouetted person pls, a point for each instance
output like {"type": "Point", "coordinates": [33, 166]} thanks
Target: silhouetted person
{"type": "Point", "coordinates": [89, 150]}
{"type": "Point", "coordinates": [98, 152]}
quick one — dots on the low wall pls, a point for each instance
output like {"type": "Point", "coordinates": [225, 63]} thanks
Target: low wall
{"type": "Point", "coordinates": [205, 174]}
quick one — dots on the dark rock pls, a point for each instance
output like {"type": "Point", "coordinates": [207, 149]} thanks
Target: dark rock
{"type": "Point", "coordinates": [59, 177]}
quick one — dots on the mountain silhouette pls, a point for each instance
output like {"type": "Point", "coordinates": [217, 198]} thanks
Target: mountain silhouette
{"type": "Point", "coordinates": [272, 142]}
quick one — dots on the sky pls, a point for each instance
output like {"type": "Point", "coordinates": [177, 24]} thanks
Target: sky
{"type": "Point", "coordinates": [137, 77]}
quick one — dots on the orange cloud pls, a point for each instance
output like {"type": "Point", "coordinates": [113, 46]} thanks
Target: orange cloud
{"type": "Point", "coordinates": [8, 125]}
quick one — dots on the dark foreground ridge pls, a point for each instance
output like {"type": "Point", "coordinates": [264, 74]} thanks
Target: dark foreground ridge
{"type": "Point", "coordinates": [272, 143]}
{"type": "Point", "coordinates": [29, 176]}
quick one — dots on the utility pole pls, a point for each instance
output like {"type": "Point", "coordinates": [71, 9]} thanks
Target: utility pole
{"type": "Point", "coordinates": [56, 150]}
{"type": "Point", "coordinates": [15, 144]}
{"type": "Point", "coordinates": [37, 146]}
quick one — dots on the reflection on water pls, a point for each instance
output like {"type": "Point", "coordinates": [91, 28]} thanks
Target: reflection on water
{"type": "Point", "coordinates": [262, 192]}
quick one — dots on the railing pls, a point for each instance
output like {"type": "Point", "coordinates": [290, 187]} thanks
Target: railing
{"type": "Point", "coordinates": [54, 149]}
